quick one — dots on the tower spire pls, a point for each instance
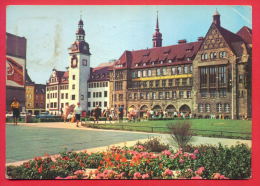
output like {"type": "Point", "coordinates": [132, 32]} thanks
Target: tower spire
{"type": "Point", "coordinates": [80, 34]}
{"type": "Point", "coordinates": [216, 18]}
{"type": "Point", "coordinates": [157, 36]}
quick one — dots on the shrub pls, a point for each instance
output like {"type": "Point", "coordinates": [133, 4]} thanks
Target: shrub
{"type": "Point", "coordinates": [154, 145]}
{"type": "Point", "coordinates": [181, 133]}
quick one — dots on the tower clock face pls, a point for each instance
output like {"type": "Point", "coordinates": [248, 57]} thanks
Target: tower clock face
{"type": "Point", "coordinates": [74, 62]}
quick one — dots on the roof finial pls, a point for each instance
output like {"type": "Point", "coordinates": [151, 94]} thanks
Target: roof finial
{"type": "Point", "coordinates": [216, 12]}
{"type": "Point", "coordinates": [157, 21]}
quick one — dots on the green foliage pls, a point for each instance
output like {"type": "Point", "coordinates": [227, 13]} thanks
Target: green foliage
{"type": "Point", "coordinates": [234, 162]}
{"type": "Point", "coordinates": [193, 162]}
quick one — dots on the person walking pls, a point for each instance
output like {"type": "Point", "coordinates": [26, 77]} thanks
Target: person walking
{"type": "Point", "coordinates": [15, 106]}
{"type": "Point", "coordinates": [78, 111]}
{"type": "Point", "coordinates": [97, 114]}
{"type": "Point", "coordinates": [66, 111]}
{"type": "Point", "coordinates": [121, 113]}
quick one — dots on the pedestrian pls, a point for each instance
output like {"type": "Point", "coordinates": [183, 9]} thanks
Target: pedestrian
{"type": "Point", "coordinates": [15, 106]}
{"type": "Point", "coordinates": [97, 114]}
{"type": "Point", "coordinates": [66, 111]}
{"type": "Point", "coordinates": [121, 113]}
{"type": "Point", "coordinates": [78, 111]}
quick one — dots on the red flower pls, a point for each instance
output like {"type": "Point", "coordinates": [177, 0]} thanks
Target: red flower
{"type": "Point", "coordinates": [40, 169]}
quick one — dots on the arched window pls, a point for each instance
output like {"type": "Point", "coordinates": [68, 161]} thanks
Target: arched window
{"type": "Point", "coordinates": [213, 55]}
{"type": "Point", "coordinates": [222, 54]}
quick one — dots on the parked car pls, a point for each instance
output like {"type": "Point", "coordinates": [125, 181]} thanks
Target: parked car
{"type": "Point", "coordinates": [45, 115]}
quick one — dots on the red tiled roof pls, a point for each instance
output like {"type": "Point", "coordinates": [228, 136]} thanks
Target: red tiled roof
{"type": "Point", "coordinates": [101, 72]}
{"type": "Point", "coordinates": [246, 34]}
{"type": "Point", "coordinates": [176, 53]}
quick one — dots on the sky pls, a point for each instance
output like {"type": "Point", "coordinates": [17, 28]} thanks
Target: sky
{"type": "Point", "coordinates": [110, 30]}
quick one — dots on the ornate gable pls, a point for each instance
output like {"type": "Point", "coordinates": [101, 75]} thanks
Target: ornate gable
{"type": "Point", "coordinates": [214, 39]}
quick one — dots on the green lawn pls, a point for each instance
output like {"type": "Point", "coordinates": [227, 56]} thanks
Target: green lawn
{"type": "Point", "coordinates": [204, 127]}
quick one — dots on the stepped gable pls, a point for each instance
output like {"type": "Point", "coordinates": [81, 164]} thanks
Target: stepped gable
{"type": "Point", "coordinates": [178, 54]}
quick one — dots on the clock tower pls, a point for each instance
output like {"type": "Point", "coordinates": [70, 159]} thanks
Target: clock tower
{"type": "Point", "coordinates": [79, 69]}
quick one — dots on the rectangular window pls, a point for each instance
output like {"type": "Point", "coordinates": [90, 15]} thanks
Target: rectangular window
{"type": "Point", "coordinates": [163, 83]}
{"type": "Point", "coordinates": [179, 70]}
{"type": "Point", "coordinates": [174, 70]}
{"type": "Point", "coordinates": [144, 84]}
{"type": "Point", "coordinates": [153, 95]}
{"type": "Point", "coordinates": [94, 94]}
{"type": "Point", "coordinates": [135, 96]}
{"type": "Point", "coordinates": [203, 77]}
{"type": "Point", "coordinates": [219, 107]}
{"type": "Point", "coordinates": [62, 96]}
{"type": "Point", "coordinates": [55, 104]}
{"type": "Point", "coordinates": [105, 94]}
{"type": "Point", "coordinates": [67, 96]}
{"type": "Point", "coordinates": [94, 104]}
{"type": "Point", "coordinates": [73, 86]}
{"type": "Point", "coordinates": [105, 103]}
{"type": "Point", "coordinates": [222, 79]}
{"type": "Point", "coordinates": [100, 94]}
{"type": "Point", "coordinates": [147, 95]}
{"type": "Point", "coordinates": [170, 83]}
{"type": "Point", "coordinates": [48, 96]}
{"type": "Point", "coordinates": [73, 77]}
{"type": "Point", "coordinates": [174, 94]}
{"type": "Point", "coordinates": [167, 95]}
{"type": "Point", "coordinates": [177, 82]}
{"type": "Point", "coordinates": [141, 95]}
{"type": "Point", "coordinates": [89, 104]}
{"type": "Point", "coordinates": [120, 97]}
{"type": "Point", "coordinates": [213, 93]}
{"type": "Point", "coordinates": [62, 105]}
{"type": "Point", "coordinates": [212, 76]}
{"type": "Point", "coordinates": [188, 94]}
{"type": "Point", "coordinates": [73, 97]}
{"type": "Point", "coordinates": [150, 84]}
{"type": "Point", "coordinates": [158, 72]}
{"type": "Point", "coordinates": [149, 73]}
{"type": "Point", "coordinates": [201, 107]}
{"type": "Point", "coordinates": [157, 82]}
{"type": "Point", "coordinates": [89, 94]}
{"type": "Point", "coordinates": [184, 82]}
{"type": "Point", "coordinates": [181, 94]}
{"type": "Point", "coordinates": [185, 69]}
{"type": "Point", "coordinates": [222, 92]}
{"type": "Point", "coordinates": [48, 105]}
{"type": "Point", "coordinates": [203, 93]}
{"type": "Point", "coordinates": [160, 95]}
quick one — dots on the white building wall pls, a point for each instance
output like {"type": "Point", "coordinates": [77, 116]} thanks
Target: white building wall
{"type": "Point", "coordinates": [99, 99]}
{"type": "Point", "coordinates": [53, 100]}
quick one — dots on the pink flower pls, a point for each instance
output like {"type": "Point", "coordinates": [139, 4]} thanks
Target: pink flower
{"type": "Point", "coordinates": [168, 172]}
{"type": "Point", "coordinates": [145, 176]}
{"type": "Point", "coordinates": [193, 156]}
{"type": "Point", "coordinates": [166, 152]}
{"type": "Point", "coordinates": [79, 172]}
{"type": "Point", "coordinates": [196, 151]}
{"type": "Point", "coordinates": [181, 161]}
{"type": "Point", "coordinates": [186, 154]}
{"type": "Point", "coordinates": [200, 171]}
{"type": "Point", "coordinates": [196, 178]}
{"type": "Point", "coordinates": [137, 175]}
{"type": "Point", "coordinates": [70, 177]}
{"type": "Point", "coordinates": [222, 177]}
{"type": "Point", "coordinates": [189, 170]}
{"type": "Point", "coordinates": [59, 178]}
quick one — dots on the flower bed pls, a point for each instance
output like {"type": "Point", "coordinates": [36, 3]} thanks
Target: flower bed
{"type": "Point", "coordinates": [203, 162]}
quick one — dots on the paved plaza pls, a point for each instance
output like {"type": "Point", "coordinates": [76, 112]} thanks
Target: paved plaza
{"type": "Point", "coordinates": [28, 140]}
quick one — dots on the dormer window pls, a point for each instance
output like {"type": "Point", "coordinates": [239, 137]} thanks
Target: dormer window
{"type": "Point", "coordinates": [144, 64]}
{"type": "Point", "coordinates": [161, 61]}
{"type": "Point", "coordinates": [136, 64]}
{"type": "Point", "coordinates": [188, 59]}
{"type": "Point", "coordinates": [169, 61]}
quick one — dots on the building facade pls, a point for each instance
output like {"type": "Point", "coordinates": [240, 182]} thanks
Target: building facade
{"type": "Point", "coordinates": [98, 87]}
{"type": "Point", "coordinates": [15, 70]}
{"type": "Point", "coordinates": [208, 78]}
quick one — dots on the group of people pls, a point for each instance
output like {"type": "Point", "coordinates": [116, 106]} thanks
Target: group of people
{"type": "Point", "coordinates": [72, 113]}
